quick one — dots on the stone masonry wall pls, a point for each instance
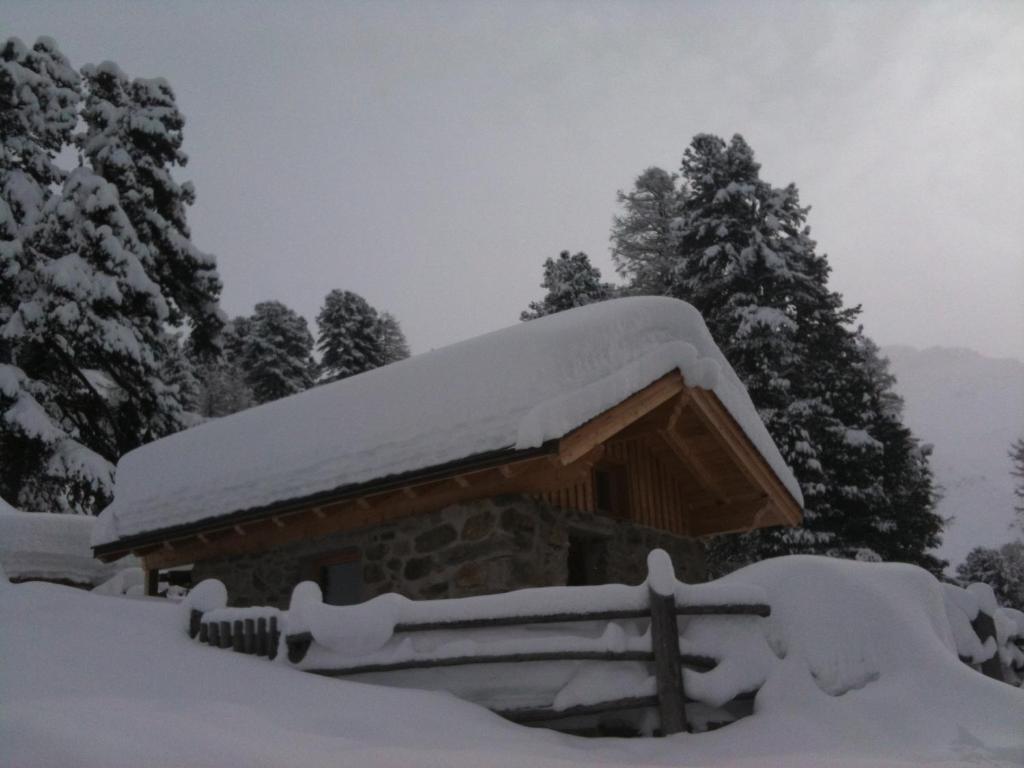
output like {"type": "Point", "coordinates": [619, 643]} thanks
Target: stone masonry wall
{"type": "Point", "coordinates": [475, 548]}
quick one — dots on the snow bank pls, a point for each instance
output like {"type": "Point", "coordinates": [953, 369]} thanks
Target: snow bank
{"type": "Point", "coordinates": [864, 675]}
{"type": "Point", "coordinates": [514, 388]}
{"type": "Point", "coordinates": [38, 545]}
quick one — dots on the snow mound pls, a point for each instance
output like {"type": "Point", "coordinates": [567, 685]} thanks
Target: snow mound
{"type": "Point", "coordinates": [512, 389]}
{"type": "Point", "coordinates": [127, 687]}
{"type": "Point", "coordinates": [55, 547]}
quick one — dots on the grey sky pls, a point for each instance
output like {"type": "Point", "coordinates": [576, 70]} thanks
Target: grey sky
{"type": "Point", "coordinates": [431, 155]}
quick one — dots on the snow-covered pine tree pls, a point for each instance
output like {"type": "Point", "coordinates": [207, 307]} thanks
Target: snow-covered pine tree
{"type": "Point", "coordinates": [222, 387]}
{"type": "Point", "coordinates": [87, 335]}
{"type": "Point", "coordinates": [1002, 569]}
{"type": "Point", "coordinates": [1017, 470]}
{"type": "Point", "coordinates": [571, 281]}
{"type": "Point", "coordinates": [84, 349]}
{"type": "Point", "coordinates": [39, 96]}
{"type": "Point", "coordinates": [746, 260]}
{"type": "Point", "coordinates": [906, 528]}
{"type": "Point", "coordinates": [349, 337]}
{"type": "Point", "coordinates": [275, 351]}
{"type": "Point", "coordinates": [133, 139]}
{"type": "Point", "coordinates": [393, 344]}
{"type": "Point", "coordinates": [643, 235]}
{"type": "Point", "coordinates": [44, 460]}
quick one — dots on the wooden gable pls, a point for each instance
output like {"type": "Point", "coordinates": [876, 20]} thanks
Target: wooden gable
{"type": "Point", "coordinates": [669, 457]}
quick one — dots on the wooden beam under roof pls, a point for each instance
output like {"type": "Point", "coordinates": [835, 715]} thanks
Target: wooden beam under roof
{"type": "Point", "coordinates": [606, 425]}
{"type": "Point", "coordinates": [743, 452]}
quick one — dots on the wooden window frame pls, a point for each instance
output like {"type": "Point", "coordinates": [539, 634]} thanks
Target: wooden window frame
{"type": "Point", "coordinates": [618, 476]}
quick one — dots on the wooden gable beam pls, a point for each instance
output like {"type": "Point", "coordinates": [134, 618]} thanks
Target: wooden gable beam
{"type": "Point", "coordinates": [606, 425]}
{"type": "Point", "coordinates": [692, 460]}
{"type": "Point", "coordinates": [742, 451]}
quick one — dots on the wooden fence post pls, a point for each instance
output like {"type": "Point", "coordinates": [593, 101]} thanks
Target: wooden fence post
{"type": "Point", "coordinates": [261, 636]}
{"type": "Point", "coordinates": [225, 634]}
{"type": "Point", "coordinates": [985, 627]}
{"type": "Point", "coordinates": [195, 619]}
{"type": "Point", "coordinates": [237, 638]}
{"type": "Point", "coordinates": [249, 635]}
{"type": "Point", "coordinates": [204, 632]}
{"type": "Point", "coordinates": [667, 666]}
{"type": "Point", "coordinates": [214, 633]}
{"type": "Point", "coordinates": [275, 638]}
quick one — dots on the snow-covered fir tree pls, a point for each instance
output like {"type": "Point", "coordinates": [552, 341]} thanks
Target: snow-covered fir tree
{"type": "Point", "coordinates": [86, 360]}
{"type": "Point", "coordinates": [88, 314]}
{"type": "Point", "coordinates": [1002, 569]}
{"type": "Point", "coordinates": [133, 138]}
{"type": "Point", "coordinates": [744, 257]}
{"type": "Point", "coordinates": [349, 338]}
{"type": "Point", "coordinates": [644, 234]}
{"type": "Point", "coordinates": [393, 344]}
{"type": "Point", "coordinates": [274, 350]}
{"type": "Point", "coordinates": [570, 281]}
{"type": "Point", "coordinates": [221, 387]}
{"type": "Point", "coordinates": [1017, 470]}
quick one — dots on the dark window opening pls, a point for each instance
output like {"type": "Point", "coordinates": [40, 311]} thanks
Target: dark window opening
{"type": "Point", "coordinates": [611, 490]}
{"type": "Point", "coordinates": [341, 578]}
{"type": "Point", "coordinates": [586, 560]}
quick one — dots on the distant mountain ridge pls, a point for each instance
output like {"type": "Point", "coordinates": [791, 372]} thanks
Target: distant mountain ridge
{"type": "Point", "coordinates": [970, 407]}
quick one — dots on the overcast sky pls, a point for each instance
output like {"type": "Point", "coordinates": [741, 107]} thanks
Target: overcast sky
{"type": "Point", "coordinates": [430, 156]}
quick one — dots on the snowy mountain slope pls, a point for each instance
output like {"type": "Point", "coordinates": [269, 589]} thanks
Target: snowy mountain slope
{"type": "Point", "coordinates": [971, 408]}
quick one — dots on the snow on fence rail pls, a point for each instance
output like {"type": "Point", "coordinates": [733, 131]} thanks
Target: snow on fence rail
{"type": "Point", "coordinates": [988, 637]}
{"type": "Point", "coordinates": [591, 648]}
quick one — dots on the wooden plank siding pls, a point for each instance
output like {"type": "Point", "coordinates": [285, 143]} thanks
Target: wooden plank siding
{"type": "Point", "coordinates": [658, 493]}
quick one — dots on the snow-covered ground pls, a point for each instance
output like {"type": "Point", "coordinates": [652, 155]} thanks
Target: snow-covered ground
{"type": "Point", "coordinates": [971, 408]}
{"type": "Point", "coordinates": [865, 674]}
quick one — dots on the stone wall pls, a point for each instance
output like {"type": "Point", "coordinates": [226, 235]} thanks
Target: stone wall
{"type": "Point", "coordinates": [476, 548]}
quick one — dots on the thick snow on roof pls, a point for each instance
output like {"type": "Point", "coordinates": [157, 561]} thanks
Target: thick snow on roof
{"type": "Point", "coordinates": [513, 388]}
{"type": "Point", "coordinates": [37, 545]}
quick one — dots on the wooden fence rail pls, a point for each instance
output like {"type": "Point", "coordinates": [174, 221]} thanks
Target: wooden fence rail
{"type": "Point", "coordinates": [258, 636]}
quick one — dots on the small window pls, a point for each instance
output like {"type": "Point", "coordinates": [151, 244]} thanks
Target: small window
{"type": "Point", "coordinates": [586, 560]}
{"type": "Point", "coordinates": [341, 578]}
{"type": "Point", "coordinates": [611, 490]}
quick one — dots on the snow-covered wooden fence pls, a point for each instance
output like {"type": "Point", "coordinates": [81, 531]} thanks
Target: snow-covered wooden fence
{"type": "Point", "coordinates": [989, 637]}
{"type": "Point", "coordinates": [603, 629]}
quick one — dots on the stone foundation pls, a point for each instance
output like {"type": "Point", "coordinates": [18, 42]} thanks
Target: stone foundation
{"type": "Point", "coordinates": [476, 548]}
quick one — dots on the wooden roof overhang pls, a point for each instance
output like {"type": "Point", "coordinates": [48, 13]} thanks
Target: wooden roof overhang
{"type": "Point", "coordinates": [729, 486]}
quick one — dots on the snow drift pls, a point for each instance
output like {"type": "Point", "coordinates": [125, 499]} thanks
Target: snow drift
{"type": "Point", "coordinates": [55, 547]}
{"type": "Point", "coordinates": [863, 672]}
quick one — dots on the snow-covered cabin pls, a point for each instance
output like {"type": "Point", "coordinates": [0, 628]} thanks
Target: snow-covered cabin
{"type": "Point", "coordinates": [557, 451]}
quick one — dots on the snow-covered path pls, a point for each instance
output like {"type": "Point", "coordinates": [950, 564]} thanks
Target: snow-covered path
{"type": "Point", "coordinates": [90, 680]}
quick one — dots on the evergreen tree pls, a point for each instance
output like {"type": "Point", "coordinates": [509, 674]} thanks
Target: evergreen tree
{"type": "Point", "coordinates": [39, 97]}
{"type": "Point", "coordinates": [349, 337]}
{"type": "Point", "coordinates": [88, 369]}
{"type": "Point", "coordinates": [570, 281]}
{"type": "Point", "coordinates": [744, 258]}
{"type": "Point", "coordinates": [392, 341]}
{"type": "Point", "coordinates": [222, 388]}
{"type": "Point", "coordinates": [1002, 569]}
{"type": "Point", "coordinates": [1017, 459]}
{"type": "Point", "coordinates": [274, 350]}
{"type": "Point", "coordinates": [644, 235]}
{"type": "Point", "coordinates": [133, 139]}
{"type": "Point", "coordinates": [87, 315]}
